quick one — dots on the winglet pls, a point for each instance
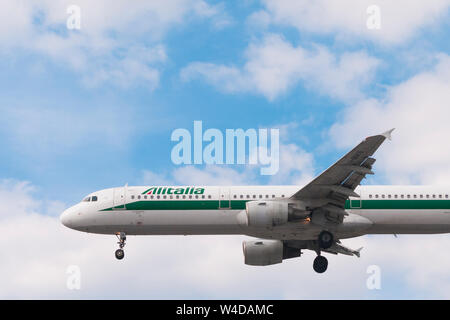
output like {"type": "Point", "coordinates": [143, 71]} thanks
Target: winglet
{"type": "Point", "coordinates": [388, 134]}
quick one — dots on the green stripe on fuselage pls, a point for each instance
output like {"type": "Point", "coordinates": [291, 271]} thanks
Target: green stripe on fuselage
{"type": "Point", "coordinates": [386, 204]}
{"type": "Point", "coordinates": [381, 204]}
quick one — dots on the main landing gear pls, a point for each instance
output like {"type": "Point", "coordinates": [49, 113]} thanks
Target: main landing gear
{"type": "Point", "coordinates": [320, 264]}
{"type": "Point", "coordinates": [325, 240]}
{"type": "Point", "coordinates": [122, 238]}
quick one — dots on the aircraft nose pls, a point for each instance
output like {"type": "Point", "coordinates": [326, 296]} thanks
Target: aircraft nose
{"type": "Point", "coordinates": [67, 218]}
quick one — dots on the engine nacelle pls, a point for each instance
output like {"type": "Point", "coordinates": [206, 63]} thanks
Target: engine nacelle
{"type": "Point", "coordinates": [267, 252]}
{"type": "Point", "coordinates": [266, 214]}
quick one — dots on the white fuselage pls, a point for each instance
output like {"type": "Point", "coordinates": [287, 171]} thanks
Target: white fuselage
{"type": "Point", "coordinates": [221, 210]}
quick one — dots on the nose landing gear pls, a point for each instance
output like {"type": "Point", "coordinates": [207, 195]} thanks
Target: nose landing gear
{"type": "Point", "coordinates": [122, 238]}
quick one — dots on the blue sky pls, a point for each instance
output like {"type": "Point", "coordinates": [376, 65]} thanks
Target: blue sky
{"type": "Point", "coordinates": [94, 108]}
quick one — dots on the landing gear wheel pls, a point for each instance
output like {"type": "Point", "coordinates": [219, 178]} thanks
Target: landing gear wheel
{"type": "Point", "coordinates": [326, 239]}
{"type": "Point", "coordinates": [320, 264]}
{"type": "Point", "coordinates": [120, 254]}
{"type": "Point", "coordinates": [122, 238]}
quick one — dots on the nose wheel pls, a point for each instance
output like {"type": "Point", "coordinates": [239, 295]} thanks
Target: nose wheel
{"type": "Point", "coordinates": [122, 238]}
{"type": "Point", "coordinates": [120, 254]}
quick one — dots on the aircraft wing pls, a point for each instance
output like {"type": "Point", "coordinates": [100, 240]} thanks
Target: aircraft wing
{"type": "Point", "coordinates": [335, 185]}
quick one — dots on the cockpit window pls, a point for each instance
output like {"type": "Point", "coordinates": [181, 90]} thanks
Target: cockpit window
{"type": "Point", "coordinates": [94, 198]}
{"type": "Point", "coordinates": [87, 199]}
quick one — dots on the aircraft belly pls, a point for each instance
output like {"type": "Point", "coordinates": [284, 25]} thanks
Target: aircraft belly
{"type": "Point", "coordinates": [203, 222]}
{"type": "Point", "coordinates": [408, 221]}
{"type": "Point", "coordinates": [173, 222]}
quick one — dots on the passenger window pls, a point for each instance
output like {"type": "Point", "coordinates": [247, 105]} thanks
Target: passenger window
{"type": "Point", "coordinates": [395, 196]}
{"type": "Point", "coordinates": [145, 197]}
{"type": "Point", "coordinates": [414, 196]}
{"type": "Point", "coordinates": [235, 196]}
{"type": "Point", "coordinates": [254, 196]}
{"type": "Point", "coordinates": [248, 196]}
{"type": "Point", "coordinates": [139, 197]}
{"type": "Point", "coordinates": [196, 196]}
{"type": "Point", "coordinates": [434, 196]}
{"type": "Point", "coordinates": [382, 196]}
{"type": "Point", "coordinates": [376, 196]}
{"type": "Point", "coordinates": [440, 196]}
{"type": "Point", "coordinates": [203, 196]}
{"type": "Point", "coordinates": [151, 197]}
{"type": "Point", "coordinates": [209, 196]}
{"type": "Point", "coordinates": [402, 196]}
{"type": "Point", "coordinates": [428, 196]}
{"type": "Point", "coordinates": [389, 196]}
{"type": "Point", "coordinates": [132, 197]}
{"type": "Point", "coordinates": [282, 195]}
{"type": "Point", "coordinates": [157, 197]}
{"type": "Point", "coordinates": [273, 196]}
{"type": "Point", "coordinates": [370, 196]}
{"type": "Point", "coordinates": [267, 196]}
{"type": "Point", "coordinates": [164, 197]}
{"type": "Point", "coordinates": [242, 196]}
{"type": "Point", "coordinates": [260, 196]}
{"type": "Point", "coordinates": [178, 197]}
{"type": "Point", "coordinates": [421, 196]}
{"type": "Point", "coordinates": [446, 196]}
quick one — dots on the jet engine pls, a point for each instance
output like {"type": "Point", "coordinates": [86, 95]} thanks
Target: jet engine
{"type": "Point", "coordinates": [268, 214]}
{"type": "Point", "coordinates": [267, 252]}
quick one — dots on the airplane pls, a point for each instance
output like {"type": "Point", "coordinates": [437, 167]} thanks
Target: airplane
{"type": "Point", "coordinates": [285, 219]}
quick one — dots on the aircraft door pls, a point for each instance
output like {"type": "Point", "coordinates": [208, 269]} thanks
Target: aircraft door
{"type": "Point", "coordinates": [224, 198]}
{"type": "Point", "coordinates": [119, 198]}
{"type": "Point", "coordinates": [355, 203]}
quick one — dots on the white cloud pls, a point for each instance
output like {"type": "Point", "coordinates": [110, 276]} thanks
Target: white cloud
{"type": "Point", "coordinates": [104, 49]}
{"type": "Point", "coordinates": [210, 175]}
{"type": "Point", "coordinates": [217, 13]}
{"type": "Point", "coordinates": [153, 178]}
{"type": "Point", "coordinates": [15, 198]}
{"type": "Point", "coordinates": [150, 18]}
{"type": "Point", "coordinates": [15, 15]}
{"type": "Point", "coordinates": [400, 20]}
{"type": "Point", "coordinates": [132, 69]}
{"type": "Point", "coordinates": [296, 166]}
{"type": "Point", "coordinates": [418, 109]}
{"type": "Point", "coordinates": [274, 65]}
